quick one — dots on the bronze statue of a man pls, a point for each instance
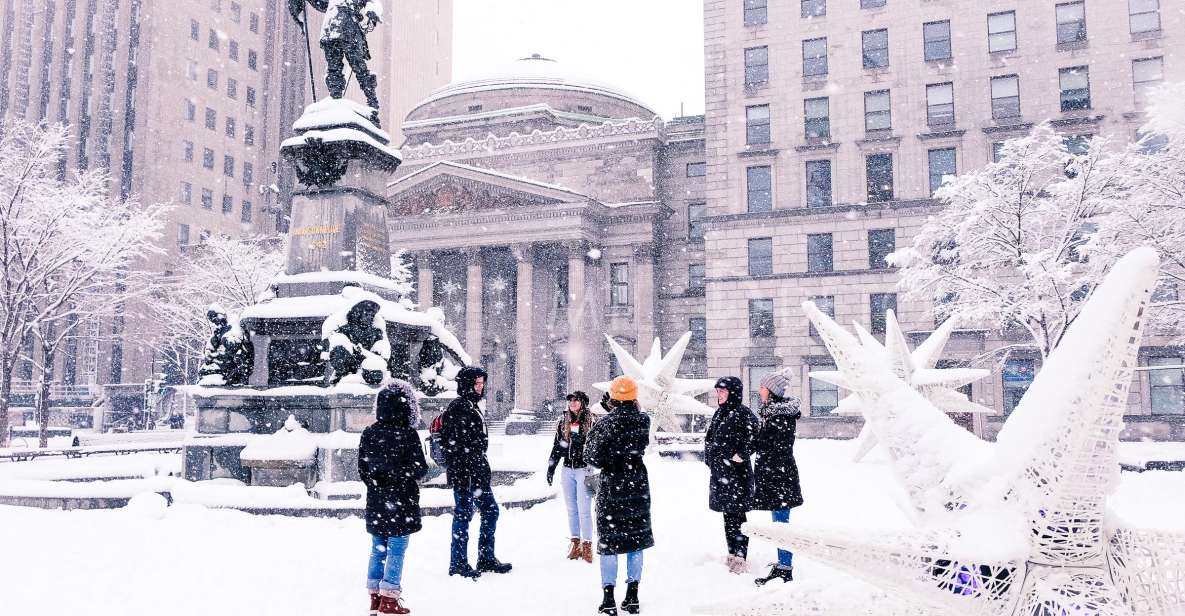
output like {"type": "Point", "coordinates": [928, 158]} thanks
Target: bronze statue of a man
{"type": "Point", "coordinates": [343, 39]}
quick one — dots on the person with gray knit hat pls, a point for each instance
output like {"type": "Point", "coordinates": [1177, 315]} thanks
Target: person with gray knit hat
{"type": "Point", "coordinates": [775, 470]}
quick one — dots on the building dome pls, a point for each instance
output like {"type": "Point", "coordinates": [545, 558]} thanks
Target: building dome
{"type": "Point", "coordinates": [529, 82]}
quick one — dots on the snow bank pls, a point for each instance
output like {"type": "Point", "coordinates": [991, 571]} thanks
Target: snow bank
{"type": "Point", "coordinates": [292, 442]}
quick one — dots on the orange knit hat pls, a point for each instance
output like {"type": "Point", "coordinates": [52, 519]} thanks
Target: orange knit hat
{"type": "Point", "coordinates": [623, 388]}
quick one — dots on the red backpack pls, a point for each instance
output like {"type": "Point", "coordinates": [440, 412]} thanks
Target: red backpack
{"type": "Point", "coordinates": [435, 450]}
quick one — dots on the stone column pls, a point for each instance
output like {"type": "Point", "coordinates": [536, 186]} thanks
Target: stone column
{"type": "Point", "coordinates": [644, 294]}
{"type": "Point", "coordinates": [425, 282]}
{"type": "Point", "coordinates": [473, 305]}
{"type": "Point", "coordinates": [578, 339]}
{"type": "Point", "coordinates": [524, 397]}
{"type": "Point", "coordinates": [596, 363]}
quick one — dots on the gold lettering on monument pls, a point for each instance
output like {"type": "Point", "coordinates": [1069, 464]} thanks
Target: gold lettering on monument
{"type": "Point", "coordinates": [316, 230]}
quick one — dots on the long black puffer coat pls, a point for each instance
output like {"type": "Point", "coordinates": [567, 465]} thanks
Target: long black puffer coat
{"type": "Point", "coordinates": [730, 434]}
{"type": "Point", "coordinates": [615, 445]}
{"type": "Point", "coordinates": [463, 435]}
{"type": "Point", "coordinates": [390, 462]}
{"type": "Point", "coordinates": [775, 469]}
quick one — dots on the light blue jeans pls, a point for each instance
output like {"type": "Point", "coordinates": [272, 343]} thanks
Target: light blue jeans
{"type": "Point", "coordinates": [633, 568]}
{"type": "Point", "coordinates": [785, 557]}
{"type": "Point", "coordinates": [579, 501]}
{"type": "Point", "coordinates": [386, 564]}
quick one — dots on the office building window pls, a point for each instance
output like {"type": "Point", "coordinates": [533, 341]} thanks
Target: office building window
{"type": "Point", "coordinates": [881, 243]}
{"type": "Point", "coordinates": [1002, 31]}
{"type": "Point", "coordinates": [183, 234]}
{"type": "Point", "coordinates": [761, 256]}
{"type": "Point", "coordinates": [871, 4]}
{"type": "Point", "coordinates": [212, 79]}
{"type": "Point", "coordinates": [254, 23]}
{"type": "Point", "coordinates": [188, 146]}
{"type": "Point", "coordinates": [878, 170]}
{"type": "Point", "coordinates": [190, 111]}
{"type": "Point", "coordinates": [813, 8]}
{"type": "Point", "coordinates": [756, 12]}
{"type": "Point", "coordinates": [817, 118]}
{"type": "Point", "coordinates": [236, 12]}
{"type": "Point", "coordinates": [756, 66]}
{"type": "Point", "coordinates": [195, 30]}
{"type": "Point", "coordinates": [936, 35]}
{"type": "Point", "coordinates": [878, 305]}
{"type": "Point", "coordinates": [819, 255]}
{"type": "Point", "coordinates": [875, 44]}
{"type": "Point", "coordinates": [248, 174]}
{"type": "Point", "coordinates": [246, 217]}
{"type": "Point", "coordinates": [814, 57]}
{"type": "Point", "coordinates": [1167, 385]}
{"type": "Point", "coordinates": [228, 165]}
{"type": "Point", "coordinates": [940, 104]}
{"type": "Point", "coordinates": [1071, 22]}
{"type": "Point", "coordinates": [698, 326]}
{"type": "Point", "coordinates": [695, 220]}
{"type": "Point", "coordinates": [211, 119]}
{"type": "Point", "coordinates": [230, 127]}
{"type": "Point", "coordinates": [213, 43]}
{"type": "Point", "coordinates": [252, 59]}
{"type": "Point", "coordinates": [619, 284]}
{"type": "Point", "coordinates": [826, 305]}
{"type": "Point", "coordinates": [997, 151]}
{"type": "Point", "coordinates": [695, 277]}
{"type": "Point", "coordinates": [248, 134]}
{"type": "Point", "coordinates": [1143, 16]}
{"type": "Point", "coordinates": [207, 158]}
{"type": "Point", "coordinates": [186, 193]}
{"type": "Point", "coordinates": [232, 88]}
{"type": "Point", "coordinates": [824, 395]}
{"type": "Point", "coordinates": [1075, 86]}
{"type": "Point", "coordinates": [818, 183]}
{"type": "Point", "coordinates": [250, 96]}
{"type": "Point", "coordinates": [1147, 73]}
{"type": "Point", "coordinates": [191, 70]}
{"type": "Point", "coordinates": [761, 318]}
{"type": "Point", "coordinates": [1005, 97]}
{"type": "Point", "coordinates": [942, 167]}
{"type": "Point", "coordinates": [228, 204]}
{"type": "Point", "coordinates": [1016, 375]}
{"type": "Point", "coordinates": [697, 170]}
{"type": "Point", "coordinates": [757, 125]}
{"type": "Point", "coordinates": [876, 111]}
{"type": "Point", "coordinates": [207, 199]}
{"type": "Point", "coordinates": [759, 189]}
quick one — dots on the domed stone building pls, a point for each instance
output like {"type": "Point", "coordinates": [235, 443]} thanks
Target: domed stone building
{"type": "Point", "coordinates": [545, 209]}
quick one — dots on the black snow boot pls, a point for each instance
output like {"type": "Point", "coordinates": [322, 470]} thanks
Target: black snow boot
{"type": "Point", "coordinates": [493, 565]}
{"type": "Point", "coordinates": [464, 570]}
{"type": "Point", "coordinates": [777, 572]}
{"type": "Point", "coordinates": [608, 604]}
{"type": "Point", "coordinates": [629, 604]}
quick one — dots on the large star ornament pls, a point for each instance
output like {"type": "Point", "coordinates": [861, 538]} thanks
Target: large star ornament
{"type": "Point", "coordinates": [917, 369]}
{"type": "Point", "coordinates": [661, 394]}
{"type": "Point", "coordinates": [1020, 527]}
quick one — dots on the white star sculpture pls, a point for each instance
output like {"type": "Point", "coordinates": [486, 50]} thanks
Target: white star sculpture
{"type": "Point", "coordinates": [661, 394]}
{"type": "Point", "coordinates": [939, 385]}
{"type": "Point", "coordinates": [1021, 527]}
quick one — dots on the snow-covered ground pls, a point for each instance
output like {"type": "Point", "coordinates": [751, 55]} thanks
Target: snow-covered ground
{"type": "Point", "coordinates": [188, 559]}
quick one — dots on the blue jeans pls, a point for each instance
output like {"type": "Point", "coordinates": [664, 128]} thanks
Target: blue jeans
{"type": "Point", "coordinates": [633, 568]}
{"type": "Point", "coordinates": [466, 501]}
{"type": "Point", "coordinates": [386, 564]}
{"type": "Point", "coordinates": [785, 557]}
{"type": "Point", "coordinates": [579, 502]}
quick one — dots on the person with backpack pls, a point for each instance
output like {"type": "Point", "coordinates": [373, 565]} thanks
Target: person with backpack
{"type": "Point", "coordinates": [390, 463]}
{"type": "Point", "coordinates": [728, 445]}
{"type": "Point", "coordinates": [615, 445]}
{"type": "Point", "coordinates": [776, 472]}
{"type": "Point", "coordinates": [568, 446]}
{"type": "Point", "coordinates": [464, 442]}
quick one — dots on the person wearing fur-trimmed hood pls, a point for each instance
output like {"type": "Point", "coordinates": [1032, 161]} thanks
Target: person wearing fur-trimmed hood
{"type": "Point", "coordinates": [390, 464]}
{"type": "Point", "coordinates": [776, 471]}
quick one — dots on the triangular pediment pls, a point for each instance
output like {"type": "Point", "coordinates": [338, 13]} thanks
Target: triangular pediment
{"type": "Point", "coordinates": [453, 188]}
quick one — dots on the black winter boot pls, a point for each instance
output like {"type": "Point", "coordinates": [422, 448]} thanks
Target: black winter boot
{"type": "Point", "coordinates": [777, 572]}
{"type": "Point", "coordinates": [608, 603]}
{"type": "Point", "coordinates": [464, 570]}
{"type": "Point", "coordinates": [629, 604]}
{"type": "Point", "coordinates": [493, 565]}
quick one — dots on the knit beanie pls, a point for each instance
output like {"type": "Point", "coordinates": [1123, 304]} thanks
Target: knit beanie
{"type": "Point", "coordinates": [778, 383]}
{"type": "Point", "coordinates": [623, 388]}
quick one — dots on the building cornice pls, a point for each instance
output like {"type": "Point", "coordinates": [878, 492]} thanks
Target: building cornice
{"type": "Point", "coordinates": [585, 134]}
{"type": "Point", "coordinates": [820, 211]}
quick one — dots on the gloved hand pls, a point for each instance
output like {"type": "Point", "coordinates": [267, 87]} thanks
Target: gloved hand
{"type": "Point", "coordinates": [605, 402]}
{"type": "Point", "coordinates": [550, 474]}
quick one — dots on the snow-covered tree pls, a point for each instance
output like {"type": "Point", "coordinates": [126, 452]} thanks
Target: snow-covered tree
{"type": "Point", "coordinates": [228, 272]}
{"type": "Point", "coordinates": [67, 251]}
{"type": "Point", "coordinates": [1006, 247]}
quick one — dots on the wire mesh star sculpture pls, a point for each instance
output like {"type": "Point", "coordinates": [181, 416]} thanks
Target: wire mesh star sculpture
{"type": "Point", "coordinates": [661, 394]}
{"type": "Point", "coordinates": [1022, 528]}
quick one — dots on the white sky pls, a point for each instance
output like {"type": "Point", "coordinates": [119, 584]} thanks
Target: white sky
{"type": "Point", "coordinates": [652, 49]}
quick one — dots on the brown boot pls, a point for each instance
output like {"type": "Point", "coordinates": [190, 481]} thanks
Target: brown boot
{"type": "Point", "coordinates": [574, 549]}
{"type": "Point", "coordinates": [375, 600]}
{"type": "Point", "coordinates": [586, 551]}
{"type": "Point", "coordinates": [391, 605]}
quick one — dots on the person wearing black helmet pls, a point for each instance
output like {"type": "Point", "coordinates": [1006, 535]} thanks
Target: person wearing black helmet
{"type": "Point", "coordinates": [570, 433]}
{"type": "Point", "coordinates": [464, 441]}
